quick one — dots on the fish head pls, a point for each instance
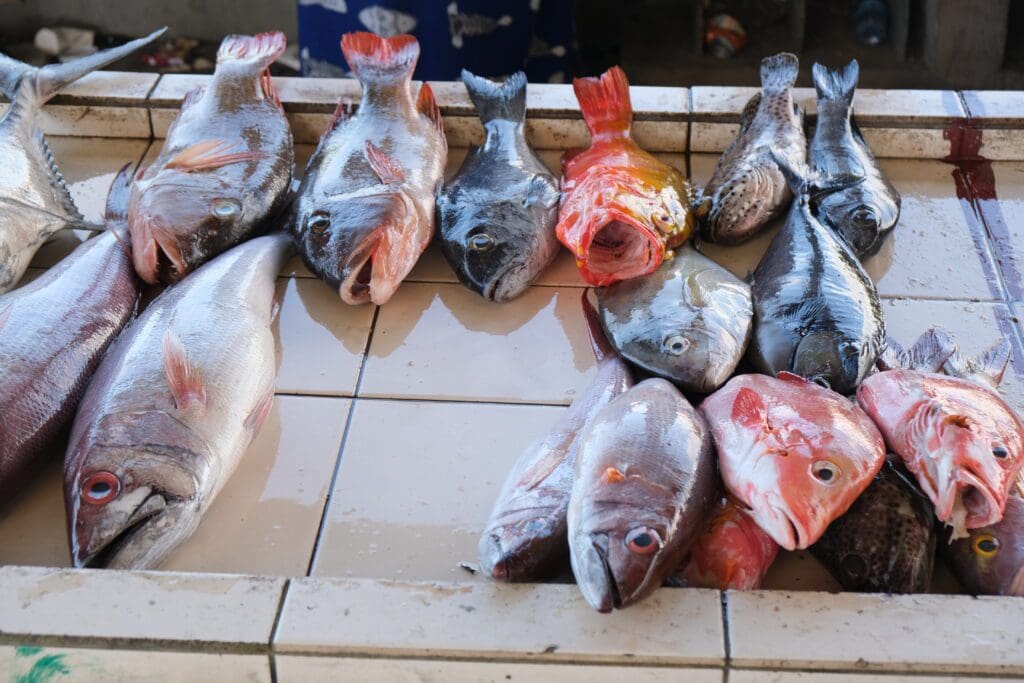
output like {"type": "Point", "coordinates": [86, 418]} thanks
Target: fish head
{"type": "Point", "coordinates": [990, 561]}
{"type": "Point", "coordinates": [750, 196]}
{"type": "Point", "coordinates": [961, 441]}
{"type": "Point", "coordinates": [860, 214]}
{"type": "Point", "coordinates": [732, 552]}
{"type": "Point", "coordinates": [518, 546]}
{"type": "Point", "coordinates": [829, 358]}
{"type": "Point", "coordinates": [180, 221]}
{"type": "Point", "coordinates": [130, 504]}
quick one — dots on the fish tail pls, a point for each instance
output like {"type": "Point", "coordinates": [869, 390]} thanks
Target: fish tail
{"type": "Point", "coordinates": [260, 50]}
{"type": "Point", "coordinates": [51, 78]}
{"type": "Point", "coordinates": [598, 339]}
{"type": "Point", "coordinates": [380, 60]}
{"type": "Point", "coordinates": [492, 100]}
{"type": "Point", "coordinates": [836, 85]}
{"type": "Point", "coordinates": [604, 103]}
{"type": "Point", "coordinates": [778, 72]}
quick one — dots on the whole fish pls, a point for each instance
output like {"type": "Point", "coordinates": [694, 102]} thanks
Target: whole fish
{"type": "Point", "coordinates": [816, 311]}
{"type": "Point", "coordinates": [171, 410]}
{"type": "Point", "coordinates": [732, 552]}
{"type": "Point", "coordinates": [497, 216]}
{"type": "Point", "coordinates": [863, 213]}
{"type": "Point", "coordinates": [34, 200]}
{"type": "Point", "coordinates": [689, 321]}
{"type": "Point", "coordinates": [645, 479]}
{"type": "Point", "coordinates": [796, 454]}
{"type": "Point", "coordinates": [622, 211]}
{"type": "Point", "coordinates": [886, 540]}
{"type": "Point", "coordinates": [53, 332]}
{"type": "Point", "coordinates": [747, 189]}
{"type": "Point", "coordinates": [990, 560]}
{"type": "Point", "coordinates": [526, 535]}
{"type": "Point", "coordinates": [224, 171]}
{"type": "Point", "coordinates": [958, 436]}
{"type": "Point", "coordinates": [365, 208]}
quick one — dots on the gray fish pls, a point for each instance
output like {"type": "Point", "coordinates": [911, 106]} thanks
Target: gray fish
{"type": "Point", "coordinates": [224, 171]}
{"type": "Point", "coordinates": [689, 321]}
{"type": "Point", "coordinates": [816, 312]}
{"type": "Point", "coordinates": [866, 212]}
{"type": "Point", "coordinates": [645, 479]}
{"type": "Point", "coordinates": [34, 200]}
{"type": "Point", "coordinates": [526, 535]}
{"type": "Point", "coordinates": [497, 216]}
{"type": "Point", "coordinates": [990, 561]}
{"type": "Point", "coordinates": [747, 189]}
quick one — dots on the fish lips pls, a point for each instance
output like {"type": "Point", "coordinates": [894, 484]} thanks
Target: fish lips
{"type": "Point", "coordinates": [602, 587]}
{"type": "Point", "coordinates": [602, 218]}
{"type": "Point", "coordinates": [784, 529]}
{"type": "Point", "coordinates": [156, 254]}
{"type": "Point", "coordinates": [1016, 585]}
{"type": "Point", "coordinates": [967, 491]}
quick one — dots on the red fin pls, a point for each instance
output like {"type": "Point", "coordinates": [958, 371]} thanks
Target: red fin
{"type": "Point", "coordinates": [342, 112]}
{"type": "Point", "coordinates": [269, 91]}
{"type": "Point", "coordinates": [260, 413]}
{"type": "Point", "coordinates": [380, 59]}
{"type": "Point", "coordinates": [262, 49]}
{"type": "Point", "coordinates": [4, 315]}
{"type": "Point", "coordinates": [604, 103]}
{"type": "Point", "coordinates": [184, 380]}
{"type": "Point", "coordinates": [427, 105]}
{"type": "Point", "coordinates": [748, 408]}
{"type": "Point", "coordinates": [386, 168]}
{"type": "Point", "coordinates": [209, 154]}
{"type": "Point", "coordinates": [193, 96]}
{"type": "Point", "coordinates": [792, 378]}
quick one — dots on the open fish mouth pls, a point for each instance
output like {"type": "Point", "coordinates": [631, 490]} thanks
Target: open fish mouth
{"type": "Point", "coordinates": [356, 288]}
{"type": "Point", "coordinates": [622, 248]}
{"type": "Point", "coordinates": [155, 253]}
{"type": "Point", "coordinates": [969, 504]}
{"type": "Point", "coordinates": [105, 555]}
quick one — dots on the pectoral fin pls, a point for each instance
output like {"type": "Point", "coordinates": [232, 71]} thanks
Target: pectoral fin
{"type": "Point", "coordinates": [184, 379]}
{"type": "Point", "coordinates": [210, 154]}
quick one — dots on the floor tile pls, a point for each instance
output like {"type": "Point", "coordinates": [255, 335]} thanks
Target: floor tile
{"type": "Point", "coordinates": [33, 664]}
{"type": "Point", "coordinates": [1001, 196]}
{"type": "Point", "coordinates": [144, 606]}
{"type": "Point", "coordinates": [901, 633]}
{"type": "Point", "coordinates": [741, 676]}
{"type": "Point", "coordinates": [32, 525]}
{"type": "Point", "coordinates": [416, 485]}
{"type": "Point", "coordinates": [365, 617]}
{"type": "Point", "coordinates": [445, 342]}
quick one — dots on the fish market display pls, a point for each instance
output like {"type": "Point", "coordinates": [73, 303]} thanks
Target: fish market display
{"type": "Point", "coordinates": [53, 332]}
{"type": "Point", "coordinates": [990, 560]}
{"type": "Point", "coordinates": [224, 171]}
{"type": "Point", "coordinates": [365, 208]}
{"type": "Point", "coordinates": [733, 552]}
{"type": "Point", "coordinates": [525, 538]}
{"type": "Point", "coordinates": [645, 478]}
{"type": "Point", "coordinates": [886, 540]}
{"type": "Point", "coordinates": [622, 210]}
{"type": "Point", "coordinates": [497, 217]}
{"type": "Point", "coordinates": [747, 188]}
{"type": "Point", "coordinates": [816, 312]}
{"type": "Point", "coordinates": [795, 453]}
{"type": "Point", "coordinates": [34, 200]}
{"type": "Point", "coordinates": [689, 321]}
{"type": "Point", "coordinates": [864, 212]}
{"type": "Point", "coordinates": [172, 408]}
{"type": "Point", "coordinates": [958, 436]}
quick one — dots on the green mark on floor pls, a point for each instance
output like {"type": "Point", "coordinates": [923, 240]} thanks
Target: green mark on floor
{"type": "Point", "coordinates": [43, 670]}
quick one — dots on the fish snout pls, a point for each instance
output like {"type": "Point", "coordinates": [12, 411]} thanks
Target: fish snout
{"type": "Point", "coordinates": [594, 573]}
{"type": "Point", "coordinates": [1016, 584]}
{"type": "Point", "coordinates": [827, 359]}
{"type": "Point", "coordinates": [780, 525]}
{"type": "Point", "coordinates": [156, 254]}
{"type": "Point", "coordinates": [494, 560]}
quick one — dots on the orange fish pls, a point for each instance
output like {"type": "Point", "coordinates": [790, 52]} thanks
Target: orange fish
{"type": "Point", "coordinates": [622, 210]}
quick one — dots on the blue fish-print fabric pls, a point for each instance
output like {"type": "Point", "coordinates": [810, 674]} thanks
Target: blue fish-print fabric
{"type": "Point", "coordinates": [489, 37]}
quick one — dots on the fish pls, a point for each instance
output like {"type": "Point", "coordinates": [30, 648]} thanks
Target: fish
{"type": "Point", "coordinates": [225, 170]}
{"type": "Point", "coordinates": [990, 560]}
{"type": "Point", "coordinates": [171, 410]}
{"type": "Point", "coordinates": [731, 553]}
{"type": "Point", "coordinates": [525, 538]}
{"type": "Point", "coordinates": [645, 479]}
{"type": "Point", "coordinates": [53, 333]}
{"type": "Point", "coordinates": [365, 207]}
{"type": "Point", "coordinates": [863, 213]}
{"type": "Point", "coordinates": [688, 322]}
{"type": "Point", "coordinates": [816, 311]}
{"type": "Point", "coordinates": [35, 202]}
{"type": "Point", "coordinates": [958, 437]}
{"type": "Point", "coordinates": [496, 218]}
{"type": "Point", "coordinates": [747, 189]}
{"type": "Point", "coordinates": [796, 454]}
{"type": "Point", "coordinates": [885, 543]}
{"type": "Point", "coordinates": [622, 210]}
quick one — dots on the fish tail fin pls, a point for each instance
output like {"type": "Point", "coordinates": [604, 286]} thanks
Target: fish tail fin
{"type": "Point", "coordinates": [52, 77]}
{"type": "Point", "coordinates": [778, 72]}
{"type": "Point", "coordinates": [260, 50]}
{"type": "Point", "coordinates": [836, 85]}
{"type": "Point", "coordinates": [987, 368]}
{"type": "Point", "coordinates": [380, 60]}
{"type": "Point", "coordinates": [928, 354]}
{"type": "Point", "coordinates": [604, 103]}
{"type": "Point", "coordinates": [492, 100]}
{"type": "Point", "coordinates": [595, 330]}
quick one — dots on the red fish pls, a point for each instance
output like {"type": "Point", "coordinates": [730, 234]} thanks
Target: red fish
{"type": "Point", "coordinates": [622, 210]}
{"type": "Point", "coordinates": [795, 453]}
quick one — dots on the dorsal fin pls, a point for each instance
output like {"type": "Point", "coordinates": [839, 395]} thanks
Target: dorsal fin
{"type": "Point", "coordinates": [928, 353]}
{"type": "Point", "coordinates": [750, 111]}
{"type": "Point", "coordinates": [427, 106]}
{"type": "Point", "coordinates": [61, 193]}
{"type": "Point", "coordinates": [986, 369]}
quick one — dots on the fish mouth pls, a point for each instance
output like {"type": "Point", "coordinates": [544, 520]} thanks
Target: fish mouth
{"type": "Point", "coordinates": [155, 253]}
{"type": "Point", "coordinates": [621, 248]}
{"type": "Point", "coordinates": [495, 560]}
{"type": "Point", "coordinates": [595, 577]}
{"type": "Point", "coordinates": [109, 552]}
{"type": "Point", "coordinates": [968, 504]}
{"type": "Point", "coordinates": [357, 287]}
{"type": "Point", "coordinates": [780, 525]}
{"type": "Point", "coordinates": [1016, 586]}
{"type": "Point", "coordinates": [505, 286]}
{"type": "Point", "coordinates": [611, 596]}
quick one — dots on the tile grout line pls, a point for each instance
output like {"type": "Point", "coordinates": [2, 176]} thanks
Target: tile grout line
{"type": "Point", "coordinates": [727, 641]}
{"type": "Point", "coordinates": [276, 625]}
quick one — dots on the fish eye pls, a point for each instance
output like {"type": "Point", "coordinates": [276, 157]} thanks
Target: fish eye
{"type": "Point", "coordinates": [826, 472]}
{"type": "Point", "coordinates": [677, 344]}
{"type": "Point", "coordinates": [854, 566]}
{"type": "Point", "coordinates": [481, 242]}
{"type": "Point", "coordinates": [864, 217]}
{"type": "Point", "coordinates": [643, 541]}
{"type": "Point", "coordinates": [100, 488]}
{"type": "Point", "coordinates": [225, 208]}
{"type": "Point", "coordinates": [535, 525]}
{"type": "Point", "coordinates": [985, 545]}
{"type": "Point", "coordinates": [318, 222]}
{"type": "Point", "coordinates": [1000, 452]}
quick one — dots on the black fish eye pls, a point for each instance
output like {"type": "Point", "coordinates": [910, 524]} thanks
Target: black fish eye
{"type": "Point", "coordinates": [854, 566]}
{"type": "Point", "coordinates": [318, 222]}
{"type": "Point", "coordinates": [481, 241]}
{"type": "Point", "coordinates": [864, 217]}
{"type": "Point", "coordinates": [999, 452]}
{"type": "Point", "coordinates": [826, 472]}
